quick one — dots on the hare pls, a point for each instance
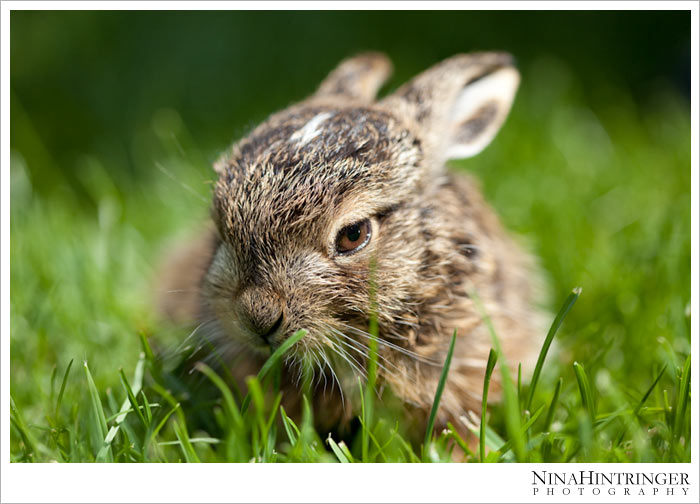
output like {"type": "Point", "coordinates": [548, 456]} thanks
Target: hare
{"type": "Point", "coordinates": [340, 207]}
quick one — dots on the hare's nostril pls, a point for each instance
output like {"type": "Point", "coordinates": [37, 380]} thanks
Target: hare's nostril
{"type": "Point", "coordinates": [272, 330]}
{"type": "Point", "coordinates": [265, 329]}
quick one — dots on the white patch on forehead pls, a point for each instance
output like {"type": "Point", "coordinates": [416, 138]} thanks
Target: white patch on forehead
{"type": "Point", "coordinates": [310, 130]}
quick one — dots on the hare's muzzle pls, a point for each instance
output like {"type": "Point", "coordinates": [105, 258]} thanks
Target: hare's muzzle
{"type": "Point", "coordinates": [260, 312]}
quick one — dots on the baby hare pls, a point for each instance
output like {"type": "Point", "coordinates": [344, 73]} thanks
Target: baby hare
{"type": "Point", "coordinates": [340, 207]}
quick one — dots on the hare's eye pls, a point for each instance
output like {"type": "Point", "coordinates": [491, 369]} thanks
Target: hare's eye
{"type": "Point", "coordinates": [354, 237]}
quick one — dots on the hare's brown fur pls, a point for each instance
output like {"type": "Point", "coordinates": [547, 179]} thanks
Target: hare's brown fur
{"type": "Point", "coordinates": [286, 189]}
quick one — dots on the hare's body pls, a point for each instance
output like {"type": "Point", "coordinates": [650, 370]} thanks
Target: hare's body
{"type": "Point", "coordinates": [339, 207]}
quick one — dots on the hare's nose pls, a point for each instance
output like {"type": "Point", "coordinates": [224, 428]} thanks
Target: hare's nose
{"type": "Point", "coordinates": [260, 312]}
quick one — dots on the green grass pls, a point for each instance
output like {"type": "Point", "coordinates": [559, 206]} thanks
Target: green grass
{"type": "Point", "coordinates": [600, 194]}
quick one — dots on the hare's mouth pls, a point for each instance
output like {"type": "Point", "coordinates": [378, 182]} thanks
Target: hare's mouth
{"type": "Point", "coordinates": [269, 336]}
{"type": "Point", "coordinates": [266, 339]}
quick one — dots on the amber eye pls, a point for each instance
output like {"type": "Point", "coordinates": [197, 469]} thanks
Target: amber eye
{"type": "Point", "coordinates": [354, 237]}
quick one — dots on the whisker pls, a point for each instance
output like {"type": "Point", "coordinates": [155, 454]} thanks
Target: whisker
{"type": "Point", "coordinates": [363, 350]}
{"type": "Point", "coordinates": [335, 377]}
{"type": "Point", "coordinates": [181, 183]}
{"type": "Point", "coordinates": [189, 343]}
{"type": "Point", "coordinates": [312, 351]}
{"type": "Point", "coordinates": [336, 332]}
{"type": "Point", "coordinates": [358, 346]}
{"type": "Point", "coordinates": [181, 291]}
{"type": "Point", "coordinates": [391, 345]}
{"type": "Point", "coordinates": [348, 342]}
{"type": "Point", "coordinates": [354, 365]}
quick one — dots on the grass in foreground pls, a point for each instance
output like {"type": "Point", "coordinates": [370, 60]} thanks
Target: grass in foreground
{"type": "Point", "coordinates": [145, 421]}
{"type": "Point", "coordinates": [602, 193]}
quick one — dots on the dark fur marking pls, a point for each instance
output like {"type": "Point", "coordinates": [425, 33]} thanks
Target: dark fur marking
{"type": "Point", "coordinates": [386, 212]}
{"type": "Point", "coordinates": [425, 214]}
{"type": "Point", "coordinates": [475, 125]}
{"type": "Point", "coordinates": [420, 96]}
{"type": "Point", "coordinates": [488, 71]}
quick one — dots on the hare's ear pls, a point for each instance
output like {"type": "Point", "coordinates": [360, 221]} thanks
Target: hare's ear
{"type": "Point", "coordinates": [461, 103]}
{"type": "Point", "coordinates": [357, 78]}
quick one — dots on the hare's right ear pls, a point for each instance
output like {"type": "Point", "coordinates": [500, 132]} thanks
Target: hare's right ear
{"type": "Point", "coordinates": [358, 78]}
{"type": "Point", "coordinates": [459, 104]}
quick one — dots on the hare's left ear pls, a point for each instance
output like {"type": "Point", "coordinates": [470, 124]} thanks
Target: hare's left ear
{"type": "Point", "coordinates": [358, 78]}
{"type": "Point", "coordinates": [460, 104]}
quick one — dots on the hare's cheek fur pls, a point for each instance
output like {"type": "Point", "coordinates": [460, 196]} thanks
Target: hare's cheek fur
{"type": "Point", "coordinates": [339, 157]}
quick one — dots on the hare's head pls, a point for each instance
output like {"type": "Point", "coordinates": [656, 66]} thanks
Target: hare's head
{"type": "Point", "coordinates": [322, 211]}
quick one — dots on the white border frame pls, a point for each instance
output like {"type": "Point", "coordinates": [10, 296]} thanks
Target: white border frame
{"type": "Point", "coordinates": [326, 482]}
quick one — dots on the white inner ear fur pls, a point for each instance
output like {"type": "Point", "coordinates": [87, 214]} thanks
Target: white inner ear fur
{"type": "Point", "coordinates": [479, 112]}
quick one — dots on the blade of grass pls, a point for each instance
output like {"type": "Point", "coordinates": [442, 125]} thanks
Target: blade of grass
{"type": "Point", "coordinates": [116, 415]}
{"type": "Point", "coordinates": [204, 440]}
{"type": "Point", "coordinates": [342, 457]}
{"type": "Point", "coordinates": [147, 408]}
{"type": "Point", "coordinates": [225, 366]}
{"type": "Point", "coordinates": [308, 437]}
{"type": "Point", "coordinates": [368, 397]}
{"type": "Point", "coordinates": [99, 425]}
{"type": "Point", "coordinates": [363, 420]}
{"type": "Point", "coordinates": [273, 359]}
{"type": "Point", "coordinates": [667, 408]}
{"type": "Point", "coordinates": [508, 444]}
{"type": "Point", "coordinates": [458, 439]}
{"type": "Point", "coordinates": [62, 389]}
{"type": "Point", "coordinates": [289, 426]}
{"type": "Point", "coordinates": [568, 304]}
{"type": "Point", "coordinates": [151, 436]}
{"type": "Point", "coordinates": [131, 398]}
{"type": "Point", "coordinates": [163, 421]}
{"type": "Point", "coordinates": [111, 402]}
{"type": "Point", "coordinates": [408, 449]}
{"type": "Point", "coordinates": [603, 420]}
{"type": "Point", "coordinates": [585, 389]}
{"type": "Point", "coordinates": [185, 444]}
{"type": "Point", "coordinates": [147, 350]}
{"type": "Point", "coordinates": [650, 390]}
{"type": "Point", "coordinates": [493, 440]}
{"type": "Point", "coordinates": [585, 436]}
{"type": "Point", "coordinates": [344, 448]}
{"type": "Point", "coordinates": [273, 413]}
{"type": "Point", "coordinates": [438, 392]}
{"type": "Point", "coordinates": [97, 409]}
{"type": "Point", "coordinates": [257, 422]}
{"type": "Point", "coordinates": [375, 441]}
{"type": "Point", "coordinates": [52, 382]}
{"type": "Point", "coordinates": [393, 432]}
{"type": "Point", "coordinates": [229, 401]}
{"type": "Point", "coordinates": [520, 387]}
{"type": "Point", "coordinates": [258, 398]}
{"type": "Point", "coordinates": [552, 404]}
{"type": "Point", "coordinates": [138, 384]}
{"type": "Point", "coordinates": [490, 364]}
{"type": "Point", "coordinates": [682, 400]}
{"type": "Point", "coordinates": [30, 442]}
{"type": "Point", "coordinates": [277, 354]}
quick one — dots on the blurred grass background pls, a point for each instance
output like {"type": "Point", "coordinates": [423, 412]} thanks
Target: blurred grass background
{"type": "Point", "coordinates": [116, 118]}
